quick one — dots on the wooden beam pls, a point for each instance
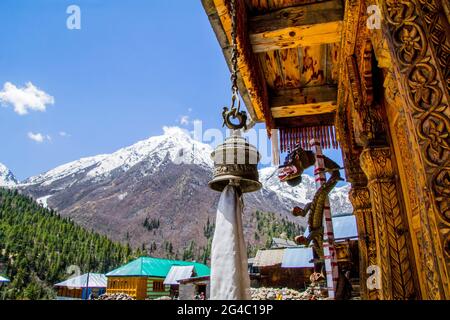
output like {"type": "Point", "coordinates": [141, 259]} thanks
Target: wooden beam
{"type": "Point", "coordinates": [288, 97]}
{"type": "Point", "coordinates": [304, 36]}
{"type": "Point", "coordinates": [306, 25]}
{"type": "Point", "coordinates": [304, 101]}
{"type": "Point", "coordinates": [304, 109]}
{"type": "Point", "coordinates": [326, 119]}
{"type": "Point", "coordinates": [297, 16]}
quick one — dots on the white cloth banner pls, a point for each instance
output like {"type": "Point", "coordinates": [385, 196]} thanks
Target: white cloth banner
{"type": "Point", "coordinates": [229, 271]}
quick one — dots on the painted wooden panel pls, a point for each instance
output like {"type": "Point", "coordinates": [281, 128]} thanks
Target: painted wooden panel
{"type": "Point", "coordinates": [290, 67]}
{"type": "Point", "coordinates": [312, 65]}
{"type": "Point", "coordinates": [151, 294]}
{"type": "Point", "coordinates": [132, 286]}
{"type": "Point", "coordinates": [270, 68]}
{"type": "Point", "coordinates": [333, 62]}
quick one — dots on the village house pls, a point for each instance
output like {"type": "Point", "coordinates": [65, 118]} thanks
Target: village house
{"type": "Point", "coordinates": [287, 264]}
{"type": "Point", "coordinates": [83, 287]}
{"type": "Point", "coordinates": [151, 278]}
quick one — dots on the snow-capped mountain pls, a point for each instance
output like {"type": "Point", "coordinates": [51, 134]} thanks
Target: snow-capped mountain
{"type": "Point", "coordinates": [165, 178]}
{"type": "Point", "coordinates": [304, 192]}
{"type": "Point", "coordinates": [175, 144]}
{"type": "Point", "coordinates": [7, 178]}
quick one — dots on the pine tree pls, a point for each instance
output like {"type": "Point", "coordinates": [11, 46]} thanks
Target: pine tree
{"type": "Point", "coordinates": [37, 246]}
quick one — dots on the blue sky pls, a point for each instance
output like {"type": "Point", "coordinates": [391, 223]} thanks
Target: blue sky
{"type": "Point", "coordinates": [134, 67]}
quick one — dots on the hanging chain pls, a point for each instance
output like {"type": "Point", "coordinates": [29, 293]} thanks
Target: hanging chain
{"type": "Point", "coordinates": [234, 112]}
{"type": "Point", "coordinates": [234, 54]}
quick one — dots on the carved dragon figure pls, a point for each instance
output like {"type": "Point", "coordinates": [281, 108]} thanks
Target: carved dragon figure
{"type": "Point", "coordinates": [291, 172]}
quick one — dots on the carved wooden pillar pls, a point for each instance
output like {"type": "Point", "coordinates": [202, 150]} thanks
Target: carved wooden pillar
{"type": "Point", "coordinates": [418, 34]}
{"type": "Point", "coordinates": [362, 209]}
{"type": "Point", "coordinates": [392, 242]}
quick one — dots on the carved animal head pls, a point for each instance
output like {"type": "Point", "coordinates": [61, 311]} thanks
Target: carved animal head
{"type": "Point", "coordinates": [295, 163]}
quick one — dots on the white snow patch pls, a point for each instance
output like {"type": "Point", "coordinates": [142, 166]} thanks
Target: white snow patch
{"type": "Point", "coordinates": [43, 201]}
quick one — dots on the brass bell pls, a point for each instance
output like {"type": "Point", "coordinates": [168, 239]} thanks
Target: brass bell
{"type": "Point", "coordinates": [235, 162]}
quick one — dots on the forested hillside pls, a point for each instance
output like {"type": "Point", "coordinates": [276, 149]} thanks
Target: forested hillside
{"type": "Point", "coordinates": [37, 247]}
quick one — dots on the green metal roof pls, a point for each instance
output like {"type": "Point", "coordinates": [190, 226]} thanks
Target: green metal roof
{"type": "Point", "coordinates": [156, 267]}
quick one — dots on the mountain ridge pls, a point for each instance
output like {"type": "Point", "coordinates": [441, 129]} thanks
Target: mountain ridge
{"type": "Point", "coordinates": [163, 178]}
{"type": "Point", "coordinates": [124, 158]}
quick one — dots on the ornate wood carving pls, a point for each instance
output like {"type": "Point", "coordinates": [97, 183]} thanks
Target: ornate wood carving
{"type": "Point", "coordinates": [360, 199]}
{"type": "Point", "coordinates": [393, 254]}
{"type": "Point", "coordinates": [419, 38]}
{"type": "Point", "coordinates": [420, 215]}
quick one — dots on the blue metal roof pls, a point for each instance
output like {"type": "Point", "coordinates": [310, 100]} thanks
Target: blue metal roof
{"type": "Point", "coordinates": [297, 258]}
{"type": "Point", "coordinates": [178, 273]}
{"type": "Point", "coordinates": [155, 267]}
{"type": "Point", "coordinates": [92, 280]}
{"type": "Point", "coordinates": [344, 227]}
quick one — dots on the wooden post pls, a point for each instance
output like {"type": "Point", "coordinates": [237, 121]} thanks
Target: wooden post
{"type": "Point", "coordinates": [393, 240]}
{"type": "Point", "coordinates": [331, 267]}
{"type": "Point", "coordinates": [362, 209]}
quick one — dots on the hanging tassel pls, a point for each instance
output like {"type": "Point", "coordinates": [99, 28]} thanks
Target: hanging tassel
{"type": "Point", "coordinates": [324, 145]}
{"type": "Point", "coordinates": [302, 139]}
{"type": "Point", "coordinates": [327, 132]}
{"type": "Point", "coordinates": [332, 138]}
{"type": "Point", "coordinates": [305, 138]}
{"type": "Point", "coordinates": [286, 147]}
{"type": "Point", "coordinates": [289, 140]}
{"type": "Point", "coordinates": [310, 136]}
{"type": "Point", "coordinates": [292, 139]}
{"type": "Point", "coordinates": [320, 136]}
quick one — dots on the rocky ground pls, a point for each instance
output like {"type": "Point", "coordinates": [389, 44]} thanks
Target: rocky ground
{"type": "Point", "coordinates": [311, 293]}
{"type": "Point", "coordinates": [115, 296]}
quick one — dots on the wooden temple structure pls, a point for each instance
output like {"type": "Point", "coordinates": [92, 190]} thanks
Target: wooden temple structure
{"type": "Point", "coordinates": [373, 77]}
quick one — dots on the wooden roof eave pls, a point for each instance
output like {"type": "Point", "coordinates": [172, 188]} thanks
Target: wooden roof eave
{"type": "Point", "coordinates": [251, 83]}
{"type": "Point", "coordinates": [292, 104]}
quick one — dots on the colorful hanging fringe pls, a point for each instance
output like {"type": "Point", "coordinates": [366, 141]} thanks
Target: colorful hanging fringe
{"type": "Point", "coordinates": [290, 137]}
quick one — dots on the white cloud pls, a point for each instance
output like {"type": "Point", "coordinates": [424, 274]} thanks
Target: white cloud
{"type": "Point", "coordinates": [39, 137]}
{"type": "Point", "coordinates": [26, 98]}
{"type": "Point", "coordinates": [184, 120]}
{"type": "Point", "coordinates": [64, 134]}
